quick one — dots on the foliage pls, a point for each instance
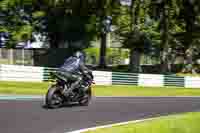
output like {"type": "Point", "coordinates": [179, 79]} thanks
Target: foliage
{"type": "Point", "coordinates": [114, 55]}
{"type": "Point", "coordinates": [64, 22]}
{"type": "Point", "coordinates": [148, 26]}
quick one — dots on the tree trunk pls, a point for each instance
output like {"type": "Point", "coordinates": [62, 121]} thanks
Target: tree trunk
{"type": "Point", "coordinates": [135, 56]}
{"type": "Point", "coordinates": [102, 60]}
{"type": "Point", "coordinates": [104, 10]}
{"type": "Point", "coordinates": [133, 14]}
{"type": "Point", "coordinates": [165, 36]}
{"type": "Point", "coordinates": [165, 66]}
{"type": "Point", "coordinates": [53, 40]}
{"type": "Point", "coordinates": [189, 17]}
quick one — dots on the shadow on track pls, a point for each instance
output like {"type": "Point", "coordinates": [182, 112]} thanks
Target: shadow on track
{"type": "Point", "coordinates": [44, 106]}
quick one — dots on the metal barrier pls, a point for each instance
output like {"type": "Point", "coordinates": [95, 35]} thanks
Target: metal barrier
{"type": "Point", "coordinates": [42, 74]}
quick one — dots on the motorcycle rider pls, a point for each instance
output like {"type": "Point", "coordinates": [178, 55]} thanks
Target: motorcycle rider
{"type": "Point", "coordinates": [74, 69]}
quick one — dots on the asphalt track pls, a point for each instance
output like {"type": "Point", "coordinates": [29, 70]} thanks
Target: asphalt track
{"type": "Point", "coordinates": [30, 116]}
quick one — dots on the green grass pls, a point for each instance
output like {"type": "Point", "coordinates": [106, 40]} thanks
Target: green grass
{"type": "Point", "coordinates": [16, 62]}
{"type": "Point", "coordinates": [114, 90]}
{"type": "Point", "coordinates": [184, 123]}
{"type": "Point", "coordinates": [187, 74]}
{"type": "Point", "coordinates": [119, 90]}
{"type": "Point", "coordinates": [23, 88]}
{"type": "Point", "coordinates": [4, 61]}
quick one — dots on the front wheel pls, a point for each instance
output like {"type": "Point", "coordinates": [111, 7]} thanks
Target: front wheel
{"type": "Point", "coordinates": [54, 97]}
{"type": "Point", "coordinates": [86, 99]}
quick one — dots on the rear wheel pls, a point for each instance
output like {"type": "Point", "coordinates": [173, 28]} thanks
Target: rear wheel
{"type": "Point", "coordinates": [86, 99]}
{"type": "Point", "coordinates": [54, 97]}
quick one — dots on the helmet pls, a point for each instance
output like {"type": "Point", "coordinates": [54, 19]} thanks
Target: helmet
{"type": "Point", "coordinates": [79, 54]}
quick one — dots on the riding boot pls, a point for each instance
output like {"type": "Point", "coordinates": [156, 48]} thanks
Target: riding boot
{"type": "Point", "coordinates": [66, 91]}
{"type": "Point", "coordinates": [73, 86]}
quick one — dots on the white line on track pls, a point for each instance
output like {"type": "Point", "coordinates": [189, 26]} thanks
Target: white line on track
{"type": "Point", "coordinates": [111, 125]}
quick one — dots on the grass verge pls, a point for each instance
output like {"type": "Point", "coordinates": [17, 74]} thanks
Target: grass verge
{"type": "Point", "coordinates": [185, 123]}
{"type": "Point", "coordinates": [23, 88]}
{"type": "Point", "coordinates": [187, 74]}
{"type": "Point", "coordinates": [114, 90]}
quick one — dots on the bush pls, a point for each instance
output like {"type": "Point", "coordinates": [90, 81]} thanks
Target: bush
{"type": "Point", "coordinates": [114, 56]}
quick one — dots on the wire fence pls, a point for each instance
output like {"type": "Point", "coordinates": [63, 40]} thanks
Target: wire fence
{"type": "Point", "coordinates": [27, 57]}
{"type": "Point", "coordinates": [16, 57]}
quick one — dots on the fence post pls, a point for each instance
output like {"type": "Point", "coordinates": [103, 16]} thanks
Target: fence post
{"type": "Point", "coordinates": [23, 62]}
{"type": "Point", "coordinates": [11, 56]}
{"type": "Point", "coordinates": [0, 53]}
{"type": "Point", "coordinates": [32, 57]}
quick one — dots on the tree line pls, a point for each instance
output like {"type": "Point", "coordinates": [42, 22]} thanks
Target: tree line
{"type": "Point", "coordinates": [164, 28]}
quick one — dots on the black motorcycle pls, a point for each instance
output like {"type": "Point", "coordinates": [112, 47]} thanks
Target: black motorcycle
{"type": "Point", "coordinates": [55, 98]}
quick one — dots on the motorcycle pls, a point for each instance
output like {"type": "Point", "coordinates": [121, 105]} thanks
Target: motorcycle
{"type": "Point", "coordinates": [55, 98]}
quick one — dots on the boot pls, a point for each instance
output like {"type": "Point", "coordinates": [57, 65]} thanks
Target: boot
{"type": "Point", "coordinates": [70, 90]}
{"type": "Point", "coordinates": [66, 91]}
{"type": "Point", "coordinates": [83, 89]}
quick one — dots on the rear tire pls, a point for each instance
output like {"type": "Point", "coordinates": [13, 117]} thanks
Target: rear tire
{"type": "Point", "coordinates": [54, 97]}
{"type": "Point", "coordinates": [86, 99]}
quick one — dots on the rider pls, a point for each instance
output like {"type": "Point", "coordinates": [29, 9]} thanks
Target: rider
{"type": "Point", "coordinates": [71, 70]}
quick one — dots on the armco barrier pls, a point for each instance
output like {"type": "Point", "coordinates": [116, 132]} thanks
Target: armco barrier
{"type": "Point", "coordinates": [151, 80]}
{"type": "Point", "coordinates": [21, 73]}
{"type": "Point", "coordinates": [46, 73]}
{"type": "Point", "coordinates": [124, 78]}
{"type": "Point", "coordinates": [192, 82]}
{"type": "Point", "coordinates": [174, 81]}
{"type": "Point", "coordinates": [100, 77]}
{"type": "Point", "coordinates": [41, 74]}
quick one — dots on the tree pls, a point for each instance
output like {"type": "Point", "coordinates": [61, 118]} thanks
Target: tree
{"type": "Point", "coordinates": [165, 35]}
{"type": "Point", "coordinates": [16, 20]}
{"type": "Point", "coordinates": [168, 24]}
{"type": "Point", "coordinates": [188, 17]}
{"type": "Point", "coordinates": [65, 21]}
{"type": "Point", "coordinates": [134, 30]}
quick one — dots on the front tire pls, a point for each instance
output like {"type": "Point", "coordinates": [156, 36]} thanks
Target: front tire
{"type": "Point", "coordinates": [86, 99]}
{"type": "Point", "coordinates": [54, 97]}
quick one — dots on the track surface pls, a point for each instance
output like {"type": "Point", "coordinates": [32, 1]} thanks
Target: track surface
{"type": "Point", "coordinates": [31, 117]}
